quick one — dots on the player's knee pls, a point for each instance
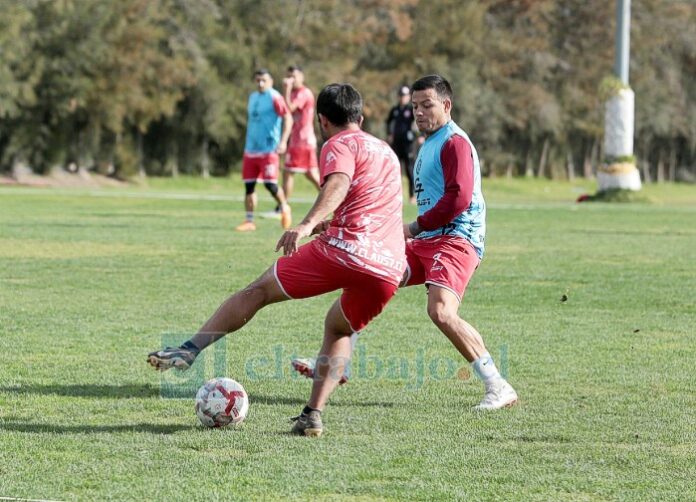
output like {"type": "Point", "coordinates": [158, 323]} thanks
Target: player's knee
{"type": "Point", "coordinates": [249, 187]}
{"type": "Point", "coordinates": [271, 187]}
{"type": "Point", "coordinates": [257, 293]}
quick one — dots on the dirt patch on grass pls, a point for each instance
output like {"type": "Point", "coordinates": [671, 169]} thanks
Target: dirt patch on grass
{"type": "Point", "coordinates": [61, 178]}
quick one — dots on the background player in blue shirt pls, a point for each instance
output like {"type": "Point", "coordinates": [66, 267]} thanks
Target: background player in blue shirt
{"type": "Point", "coordinates": [268, 129]}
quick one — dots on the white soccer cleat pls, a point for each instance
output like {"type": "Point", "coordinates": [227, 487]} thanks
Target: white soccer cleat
{"type": "Point", "coordinates": [305, 367]}
{"type": "Point", "coordinates": [499, 394]}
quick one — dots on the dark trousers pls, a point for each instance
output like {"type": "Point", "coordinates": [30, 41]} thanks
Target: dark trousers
{"type": "Point", "coordinates": [404, 151]}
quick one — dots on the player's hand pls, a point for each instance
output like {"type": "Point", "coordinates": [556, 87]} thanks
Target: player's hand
{"type": "Point", "coordinates": [321, 227]}
{"type": "Point", "coordinates": [282, 148]}
{"type": "Point", "coordinates": [287, 82]}
{"type": "Point", "coordinates": [407, 232]}
{"type": "Point", "coordinates": [290, 239]}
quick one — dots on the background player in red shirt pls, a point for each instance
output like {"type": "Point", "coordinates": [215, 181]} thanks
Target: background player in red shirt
{"type": "Point", "coordinates": [301, 156]}
{"type": "Point", "coordinates": [361, 250]}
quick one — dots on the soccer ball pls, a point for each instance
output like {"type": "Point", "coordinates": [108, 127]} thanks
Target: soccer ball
{"type": "Point", "coordinates": [221, 402]}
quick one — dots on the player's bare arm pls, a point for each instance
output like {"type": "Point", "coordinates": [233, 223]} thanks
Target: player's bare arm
{"type": "Point", "coordinates": [287, 93]}
{"type": "Point", "coordinates": [287, 127]}
{"type": "Point", "coordinates": [330, 197]}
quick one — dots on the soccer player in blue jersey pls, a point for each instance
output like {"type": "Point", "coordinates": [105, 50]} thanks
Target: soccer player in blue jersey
{"type": "Point", "coordinates": [268, 129]}
{"type": "Point", "coordinates": [445, 244]}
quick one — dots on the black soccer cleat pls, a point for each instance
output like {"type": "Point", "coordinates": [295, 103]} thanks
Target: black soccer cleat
{"type": "Point", "coordinates": [172, 357]}
{"type": "Point", "coordinates": [308, 424]}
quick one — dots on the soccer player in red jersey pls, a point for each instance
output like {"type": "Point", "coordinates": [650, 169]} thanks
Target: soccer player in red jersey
{"type": "Point", "coordinates": [360, 250]}
{"type": "Point", "coordinates": [446, 242]}
{"type": "Point", "coordinates": [301, 156]}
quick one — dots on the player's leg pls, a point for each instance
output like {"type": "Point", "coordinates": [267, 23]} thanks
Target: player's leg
{"type": "Point", "coordinates": [234, 313]}
{"type": "Point", "coordinates": [449, 264]}
{"type": "Point", "coordinates": [330, 365]}
{"type": "Point", "coordinates": [443, 305]}
{"type": "Point", "coordinates": [363, 299]}
{"type": "Point", "coordinates": [402, 152]}
{"type": "Point", "coordinates": [270, 181]}
{"type": "Point", "coordinates": [312, 174]}
{"type": "Point", "coordinates": [305, 161]}
{"type": "Point", "coordinates": [250, 202]}
{"type": "Point", "coordinates": [288, 182]}
{"type": "Point", "coordinates": [250, 173]}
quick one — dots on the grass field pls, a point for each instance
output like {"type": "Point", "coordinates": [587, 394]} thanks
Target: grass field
{"type": "Point", "coordinates": [92, 281]}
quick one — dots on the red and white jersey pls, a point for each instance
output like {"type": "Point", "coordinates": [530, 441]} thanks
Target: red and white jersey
{"type": "Point", "coordinates": [302, 134]}
{"type": "Point", "coordinates": [366, 233]}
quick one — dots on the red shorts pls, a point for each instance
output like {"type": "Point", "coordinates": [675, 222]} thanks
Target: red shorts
{"type": "Point", "coordinates": [260, 167]}
{"type": "Point", "coordinates": [301, 159]}
{"type": "Point", "coordinates": [448, 262]}
{"type": "Point", "coordinates": [309, 273]}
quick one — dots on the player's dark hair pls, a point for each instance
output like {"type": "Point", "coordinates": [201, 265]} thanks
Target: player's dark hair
{"type": "Point", "coordinates": [294, 67]}
{"type": "Point", "coordinates": [341, 104]}
{"type": "Point", "coordinates": [262, 71]}
{"type": "Point", "coordinates": [440, 84]}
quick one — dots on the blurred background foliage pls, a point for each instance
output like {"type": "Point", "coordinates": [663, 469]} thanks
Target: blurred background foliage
{"type": "Point", "coordinates": [159, 87]}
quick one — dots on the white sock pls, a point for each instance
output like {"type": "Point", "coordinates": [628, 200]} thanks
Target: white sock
{"type": "Point", "coordinates": [353, 341]}
{"type": "Point", "coordinates": [485, 369]}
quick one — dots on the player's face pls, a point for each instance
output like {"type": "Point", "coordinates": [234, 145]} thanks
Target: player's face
{"type": "Point", "coordinates": [430, 111]}
{"type": "Point", "coordinates": [297, 78]}
{"type": "Point", "coordinates": [263, 82]}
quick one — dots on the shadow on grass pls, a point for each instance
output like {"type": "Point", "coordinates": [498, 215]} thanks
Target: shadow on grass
{"type": "Point", "coordinates": [87, 390]}
{"type": "Point", "coordinates": [33, 428]}
{"type": "Point", "coordinates": [264, 399]}
{"type": "Point", "coordinates": [164, 391]}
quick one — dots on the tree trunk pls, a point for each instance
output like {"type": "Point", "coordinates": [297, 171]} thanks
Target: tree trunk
{"type": "Point", "coordinates": [645, 163]}
{"type": "Point", "coordinates": [173, 159]}
{"type": "Point", "coordinates": [570, 166]}
{"type": "Point", "coordinates": [594, 156]}
{"type": "Point", "coordinates": [509, 170]}
{"type": "Point", "coordinates": [587, 164]}
{"type": "Point", "coordinates": [528, 169]}
{"type": "Point", "coordinates": [205, 160]}
{"type": "Point", "coordinates": [139, 153]}
{"type": "Point", "coordinates": [660, 168]}
{"type": "Point", "coordinates": [645, 160]}
{"type": "Point", "coordinates": [672, 162]}
{"type": "Point", "coordinates": [541, 171]}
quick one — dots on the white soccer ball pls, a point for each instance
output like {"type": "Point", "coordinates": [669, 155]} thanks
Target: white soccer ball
{"type": "Point", "coordinates": [221, 402]}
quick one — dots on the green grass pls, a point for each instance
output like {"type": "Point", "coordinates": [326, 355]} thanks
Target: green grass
{"type": "Point", "coordinates": [90, 282]}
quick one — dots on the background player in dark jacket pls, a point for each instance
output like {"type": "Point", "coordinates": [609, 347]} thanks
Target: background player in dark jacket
{"type": "Point", "coordinates": [400, 135]}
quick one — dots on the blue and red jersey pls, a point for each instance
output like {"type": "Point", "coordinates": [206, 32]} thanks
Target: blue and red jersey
{"type": "Point", "coordinates": [448, 188]}
{"type": "Point", "coordinates": [265, 121]}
